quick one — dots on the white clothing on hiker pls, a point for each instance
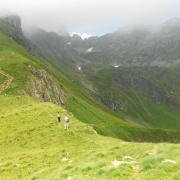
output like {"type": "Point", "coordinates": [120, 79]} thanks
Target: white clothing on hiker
{"type": "Point", "coordinates": [66, 119]}
{"type": "Point", "coordinates": [66, 125]}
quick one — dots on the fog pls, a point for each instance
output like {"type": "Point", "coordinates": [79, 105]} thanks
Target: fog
{"type": "Point", "coordinates": [90, 16]}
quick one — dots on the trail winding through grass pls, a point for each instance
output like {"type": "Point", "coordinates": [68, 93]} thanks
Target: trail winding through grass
{"type": "Point", "coordinates": [6, 84]}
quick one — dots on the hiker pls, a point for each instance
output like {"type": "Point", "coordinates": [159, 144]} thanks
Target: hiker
{"type": "Point", "coordinates": [66, 124]}
{"type": "Point", "coordinates": [59, 117]}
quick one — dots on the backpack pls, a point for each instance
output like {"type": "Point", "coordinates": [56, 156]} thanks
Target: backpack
{"type": "Point", "coordinates": [67, 119]}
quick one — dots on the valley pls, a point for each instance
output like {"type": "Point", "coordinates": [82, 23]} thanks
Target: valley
{"type": "Point", "coordinates": [124, 120]}
{"type": "Point", "coordinates": [131, 72]}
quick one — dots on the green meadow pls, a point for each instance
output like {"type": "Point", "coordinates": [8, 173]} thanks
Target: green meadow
{"type": "Point", "coordinates": [33, 145]}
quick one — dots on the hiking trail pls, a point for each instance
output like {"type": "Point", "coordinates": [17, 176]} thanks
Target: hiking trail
{"type": "Point", "coordinates": [6, 84]}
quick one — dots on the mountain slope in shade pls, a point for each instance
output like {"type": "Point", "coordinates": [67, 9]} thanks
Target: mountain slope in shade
{"type": "Point", "coordinates": [131, 93]}
{"type": "Point", "coordinates": [33, 145]}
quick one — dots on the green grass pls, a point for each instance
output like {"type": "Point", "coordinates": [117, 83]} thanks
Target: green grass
{"type": "Point", "coordinates": [2, 78]}
{"type": "Point", "coordinates": [16, 62]}
{"type": "Point", "coordinates": [131, 103]}
{"type": "Point", "coordinates": [33, 145]}
{"type": "Point", "coordinates": [137, 108]}
{"type": "Point", "coordinates": [146, 113]}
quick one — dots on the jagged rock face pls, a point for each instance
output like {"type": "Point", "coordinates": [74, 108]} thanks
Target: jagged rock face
{"type": "Point", "coordinates": [143, 46]}
{"type": "Point", "coordinates": [44, 88]}
{"type": "Point", "coordinates": [14, 21]}
{"type": "Point", "coordinates": [12, 28]}
{"type": "Point", "coordinates": [124, 88]}
{"type": "Point", "coordinates": [113, 102]}
{"type": "Point", "coordinates": [139, 47]}
{"type": "Point", "coordinates": [146, 87]}
{"type": "Point", "coordinates": [55, 47]}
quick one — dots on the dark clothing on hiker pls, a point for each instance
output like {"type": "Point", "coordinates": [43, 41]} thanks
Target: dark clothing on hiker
{"type": "Point", "coordinates": [59, 117]}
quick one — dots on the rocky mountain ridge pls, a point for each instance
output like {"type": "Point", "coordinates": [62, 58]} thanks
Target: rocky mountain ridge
{"type": "Point", "coordinates": [11, 26]}
{"type": "Point", "coordinates": [14, 21]}
{"type": "Point", "coordinates": [134, 93]}
{"type": "Point", "coordinates": [142, 46]}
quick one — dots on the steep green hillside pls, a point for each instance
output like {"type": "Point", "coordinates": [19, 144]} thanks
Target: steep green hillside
{"type": "Point", "coordinates": [11, 26]}
{"type": "Point", "coordinates": [144, 89]}
{"type": "Point", "coordinates": [31, 77]}
{"type": "Point", "coordinates": [144, 95]}
{"type": "Point", "coordinates": [33, 145]}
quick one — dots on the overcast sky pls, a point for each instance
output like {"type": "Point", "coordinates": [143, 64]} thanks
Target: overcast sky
{"type": "Point", "coordinates": [94, 17]}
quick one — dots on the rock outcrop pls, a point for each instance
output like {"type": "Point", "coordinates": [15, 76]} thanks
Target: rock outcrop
{"type": "Point", "coordinates": [144, 86]}
{"type": "Point", "coordinates": [14, 21]}
{"type": "Point", "coordinates": [44, 87]}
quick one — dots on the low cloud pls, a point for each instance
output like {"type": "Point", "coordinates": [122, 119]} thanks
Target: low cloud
{"type": "Point", "coordinates": [90, 16]}
{"type": "Point", "coordinates": [83, 36]}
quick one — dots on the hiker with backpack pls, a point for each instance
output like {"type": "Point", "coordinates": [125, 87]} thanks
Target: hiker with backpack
{"type": "Point", "coordinates": [66, 124]}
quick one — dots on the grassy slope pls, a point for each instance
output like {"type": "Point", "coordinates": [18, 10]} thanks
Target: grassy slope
{"type": "Point", "coordinates": [139, 108]}
{"type": "Point", "coordinates": [137, 111]}
{"type": "Point", "coordinates": [142, 110]}
{"type": "Point", "coordinates": [33, 145]}
{"type": "Point", "coordinates": [14, 58]}
{"type": "Point", "coordinates": [15, 61]}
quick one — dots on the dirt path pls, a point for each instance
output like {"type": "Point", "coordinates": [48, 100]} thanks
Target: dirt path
{"type": "Point", "coordinates": [5, 85]}
{"type": "Point", "coordinates": [7, 82]}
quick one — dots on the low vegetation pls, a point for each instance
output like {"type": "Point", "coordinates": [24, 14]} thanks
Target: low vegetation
{"type": "Point", "coordinates": [104, 121]}
{"type": "Point", "coordinates": [33, 145]}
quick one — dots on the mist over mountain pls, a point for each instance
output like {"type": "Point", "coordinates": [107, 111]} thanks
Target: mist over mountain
{"type": "Point", "coordinates": [140, 46]}
{"type": "Point", "coordinates": [123, 70]}
{"type": "Point", "coordinates": [120, 92]}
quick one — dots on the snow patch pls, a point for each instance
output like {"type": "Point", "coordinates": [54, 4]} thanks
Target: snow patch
{"type": "Point", "coordinates": [79, 68]}
{"type": "Point", "coordinates": [90, 49]}
{"type": "Point", "coordinates": [69, 43]}
{"type": "Point", "coordinates": [116, 66]}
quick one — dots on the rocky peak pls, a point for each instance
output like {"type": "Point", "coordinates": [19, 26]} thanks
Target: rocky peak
{"type": "Point", "coordinates": [14, 21]}
{"type": "Point", "coordinates": [171, 26]}
{"type": "Point", "coordinates": [76, 37]}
